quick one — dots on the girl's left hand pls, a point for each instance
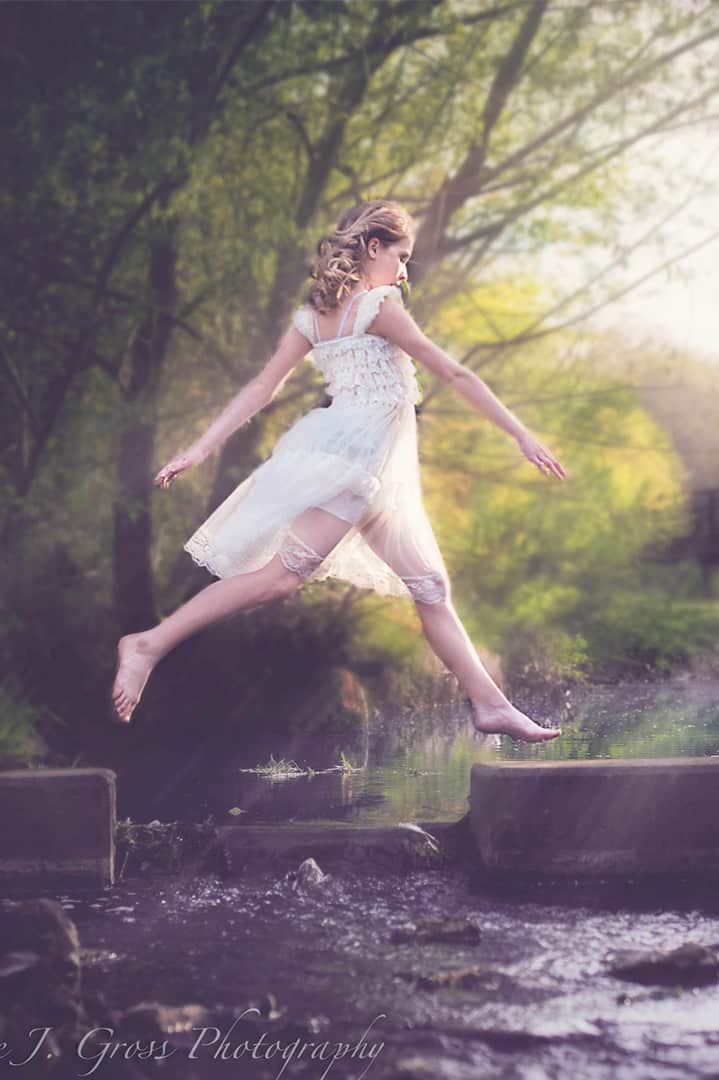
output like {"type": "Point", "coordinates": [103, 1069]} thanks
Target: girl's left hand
{"type": "Point", "coordinates": [179, 463]}
{"type": "Point", "coordinates": [538, 454]}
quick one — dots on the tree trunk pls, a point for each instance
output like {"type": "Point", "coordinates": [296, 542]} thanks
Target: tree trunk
{"type": "Point", "coordinates": [132, 529]}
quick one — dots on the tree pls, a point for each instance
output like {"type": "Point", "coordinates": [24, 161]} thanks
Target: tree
{"type": "Point", "coordinates": [168, 173]}
{"type": "Point", "coordinates": [103, 133]}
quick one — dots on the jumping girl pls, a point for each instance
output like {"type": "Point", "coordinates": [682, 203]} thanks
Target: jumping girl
{"type": "Point", "coordinates": [340, 495]}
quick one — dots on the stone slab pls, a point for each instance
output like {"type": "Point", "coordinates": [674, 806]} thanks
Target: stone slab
{"type": "Point", "coordinates": [328, 843]}
{"type": "Point", "coordinates": [629, 817]}
{"type": "Point", "coordinates": [58, 829]}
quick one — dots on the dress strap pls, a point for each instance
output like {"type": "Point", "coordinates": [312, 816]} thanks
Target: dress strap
{"type": "Point", "coordinates": [346, 312]}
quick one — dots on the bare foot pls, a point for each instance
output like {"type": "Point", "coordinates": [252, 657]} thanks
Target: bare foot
{"type": "Point", "coordinates": [508, 720]}
{"type": "Point", "coordinates": [136, 659]}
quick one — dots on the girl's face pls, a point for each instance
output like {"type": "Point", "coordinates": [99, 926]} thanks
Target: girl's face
{"type": "Point", "coordinates": [387, 264]}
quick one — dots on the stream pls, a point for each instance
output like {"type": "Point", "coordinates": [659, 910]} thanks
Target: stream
{"type": "Point", "coordinates": [419, 761]}
{"type": "Point", "coordinates": [531, 998]}
{"type": "Point", "coordinates": [538, 1000]}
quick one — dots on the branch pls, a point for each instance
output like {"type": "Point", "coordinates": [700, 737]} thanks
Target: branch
{"type": "Point", "coordinates": [163, 188]}
{"type": "Point", "coordinates": [540, 400]}
{"type": "Point", "coordinates": [624, 252]}
{"type": "Point", "coordinates": [313, 67]}
{"type": "Point", "coordinates": [509, 71]}
{"type": "Point", "coordinates": [168, 184]}
{"type": "Point", "coordinates": [534, 335]}
{"type": "Point", "coordinates": [600, 98]}
{"type": "Point", "coordinates": [211, 346]}
{"type": "Point", "coordinates": [296, 121]}
{"type": "Point", "coordinates": [58, 390]}
{"type": "Point", "coordinates": [636, 283]}
{"type": "Point", "coordinates": [20, 394]}
{"type": "Point", "coordinates": [473, 173]}
{"type": "Point", "coordinates": [455, 190]}
{"type": "Point", "coordinates": [494, 229]}
{"type": "Point", "coordinates": [249, 31]}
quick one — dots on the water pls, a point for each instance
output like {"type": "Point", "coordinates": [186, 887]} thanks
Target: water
{"type": "Point", "coordinates": [419, 761]}
{"type": "Point", "coordinates": [542, 1005]}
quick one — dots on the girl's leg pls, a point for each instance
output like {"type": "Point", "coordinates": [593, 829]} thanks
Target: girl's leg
{"type": "Point", "coordinates": [493, 712]}
{"type": "Point", "coordinates": [313, 535]}
{"type": "Point", "coordinates": [443, 629]}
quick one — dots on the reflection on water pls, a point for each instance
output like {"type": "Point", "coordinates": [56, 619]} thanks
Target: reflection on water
{"type": "Point", "coordinates": [419, 762]}
{"type": "Point", "coordinates": [677, 718]}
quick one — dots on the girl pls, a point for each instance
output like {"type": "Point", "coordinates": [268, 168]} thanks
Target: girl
{"type": "Point", "coordinates": [340, 495]}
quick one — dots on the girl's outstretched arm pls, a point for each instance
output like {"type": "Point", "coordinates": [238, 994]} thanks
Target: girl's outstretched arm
{"type": "Point", "coordinates": [396, 324]}
{"type": "Point", "coordinates": [254, 395]}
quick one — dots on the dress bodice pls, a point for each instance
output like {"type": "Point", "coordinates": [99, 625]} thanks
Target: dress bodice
{"type": "Point", "coordinates": [361, 368]}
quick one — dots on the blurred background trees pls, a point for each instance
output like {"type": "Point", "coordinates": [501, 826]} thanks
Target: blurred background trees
{"type": "Point", "coordinates": [168, 170]}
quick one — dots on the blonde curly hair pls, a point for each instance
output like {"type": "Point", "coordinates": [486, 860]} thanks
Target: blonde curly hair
{"type": "Point", "coordinates": [337, 268]}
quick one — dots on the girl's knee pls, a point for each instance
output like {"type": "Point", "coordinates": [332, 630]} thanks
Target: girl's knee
{"type": "Point", "coordinates": [286, 581]}
{"type": "Point", "coordinates": [297, 560]}
{"type": "Point", "coordinates": [427, 588]}
{"type": "Point", "coordinates": [277, 580]}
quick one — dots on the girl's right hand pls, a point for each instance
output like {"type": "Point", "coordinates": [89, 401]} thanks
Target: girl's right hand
{"type": "Point", "coordinates": [538, 454]}
{"type": "Point", "coordinates": [179, 464]}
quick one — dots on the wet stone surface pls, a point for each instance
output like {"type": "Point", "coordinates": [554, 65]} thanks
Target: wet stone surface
{"type": "Point", "coordinates": [689, 965]}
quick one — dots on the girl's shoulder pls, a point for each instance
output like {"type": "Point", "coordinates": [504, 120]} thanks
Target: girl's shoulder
{"type": "Point", "coordinates": [369, 305]}
{"type": "Point", "coordinates": [305, 317]}
{"type": "Point", "coordinates": [380, 291]}
{"type": "Point", "coordinates": [303, 321]}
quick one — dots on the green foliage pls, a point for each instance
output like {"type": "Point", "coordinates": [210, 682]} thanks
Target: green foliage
{"type": "Point", "coordinates": [345, 764]}
{"type": "Point", "coordinates": [19, 741]}
{"type": "Point", "coordinates": [234, 134]}
{"type": "Point", "coordinates": [566, 579]}
{"type": "Point", "coordinates": [565, 574]}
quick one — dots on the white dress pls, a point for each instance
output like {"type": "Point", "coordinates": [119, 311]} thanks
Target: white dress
{"type": "Point", "coordinates": [356, 458]}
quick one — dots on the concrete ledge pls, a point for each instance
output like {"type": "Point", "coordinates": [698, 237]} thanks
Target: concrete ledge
{"type": "Point", "coordinates": [631, 817]}
{"type": "Point", "coordinates": [58, 829]}
{"type": "Point", "coordinates": [380, 847]}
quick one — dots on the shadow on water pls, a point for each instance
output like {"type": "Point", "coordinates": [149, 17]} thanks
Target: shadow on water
{"type": "Point", "coordinates": [418, 762]}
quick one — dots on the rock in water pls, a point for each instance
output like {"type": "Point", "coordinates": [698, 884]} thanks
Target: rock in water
{"type": "Point", "coordinates": [689, 965]}
{"type": "Point", "coordinates": [40, 980]}
{"type": "Point", "coordinates": [464, 979]}
{"type": "Point", "coordinates": [308, 874]}
{"type": "Point", "coordinates": [430, 928]}
{"type": "Point", "coordinates": [176, 1024]}
{"type": "Point", "coordinates": [420, 834]}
